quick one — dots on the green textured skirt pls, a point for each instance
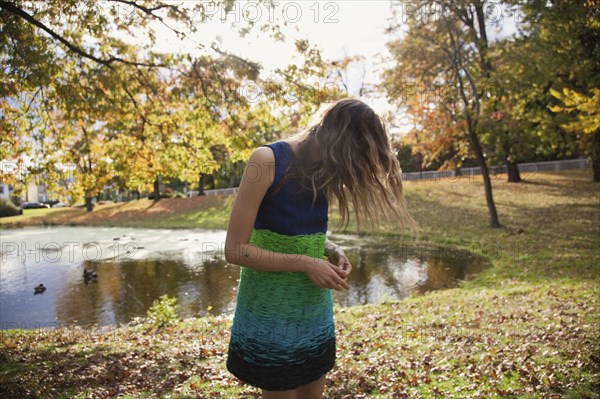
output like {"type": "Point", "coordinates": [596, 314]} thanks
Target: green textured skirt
{"type": "Point", "coordinates": [283, 333]}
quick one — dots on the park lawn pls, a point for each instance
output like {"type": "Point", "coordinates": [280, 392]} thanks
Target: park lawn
{"type": "Point", "coordinates": [525, 328]}
{"type": "Point", "coordinates": [195, 212]}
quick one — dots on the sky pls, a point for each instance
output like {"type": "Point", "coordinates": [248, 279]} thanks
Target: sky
{"type": "Point", "coordinates": [338, 28]}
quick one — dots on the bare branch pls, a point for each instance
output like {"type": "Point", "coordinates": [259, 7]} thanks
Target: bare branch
{"type": "Point", "coordinates": [151, 12]}
{"type": "Point", "coordinates": [252, 65]}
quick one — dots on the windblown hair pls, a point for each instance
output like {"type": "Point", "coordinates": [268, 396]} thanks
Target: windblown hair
{"type": "Point", "coordinates": [348, 156]}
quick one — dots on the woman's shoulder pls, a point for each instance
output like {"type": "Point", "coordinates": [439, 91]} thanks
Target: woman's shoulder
{"type": "Point", "coordinates": [260, 165]}
{"type": "Point", "coordinates": [262, 153]}
{"type": "Point", "coordinates": [279, 144]}
{"type": "Point", "coordinates": [277, 150]}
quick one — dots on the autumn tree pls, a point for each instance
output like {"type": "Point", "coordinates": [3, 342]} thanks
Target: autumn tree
{"type": "Point", "coordinates": [560, 94]}
{"type": "Point", "coordinates": [169, 117]}
{"type": "Point", "coordinates": [41, 44]}
{"type": "Point", "coordinates": [437, 138]}
{"type": "Point", "coordinates": [150, 130]}
{"type": "Point", "coordinates": [508, 134]}
{"type": "Point", "coordinates": [71, 132]}
{"type": "Point", "coordinates": [586, 121]}
{"type": "Point", "coordinates": [446, 44]}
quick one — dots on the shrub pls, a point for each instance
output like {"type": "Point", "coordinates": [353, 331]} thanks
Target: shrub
{"type": "Point", "coordinates": [163, 311]}
{"type": "Point", "coordinates": [7, 208]}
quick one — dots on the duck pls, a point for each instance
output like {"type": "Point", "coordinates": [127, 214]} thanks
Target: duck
{"type": "Point", "coordinates": [89, 275]}
{"type": "Point", "coordinates": [39, 289]}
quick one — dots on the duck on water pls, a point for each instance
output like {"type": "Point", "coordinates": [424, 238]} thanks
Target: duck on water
{"type": "Point", "coordinates": [39, 289]}
{"type": "Point", "coordinates": [90, 275]}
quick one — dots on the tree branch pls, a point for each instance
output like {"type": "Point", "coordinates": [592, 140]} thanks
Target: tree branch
{"type": "Point", "coordinates": [150, 12]}
{"type": "Point", "coordinates": [13, 9]}
{"type": "Point", "coordinates": [252, 65]}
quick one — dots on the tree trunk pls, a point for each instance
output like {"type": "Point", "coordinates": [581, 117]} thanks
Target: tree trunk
{"type": "Point", "coordinates": [514, 176]}
{"type": "Point", "coordinates": [156, 190]}
{"type": "Point", "coordinates": [596, 169]}
{"type": "Point", "coordinates": [457, 172]}
{"type": "Point", "coordinates": [89, 206]}
{"type": "Point", "coordinates": [486, 67]}
{"type": "Point", "coordinates": [419, 163]}
{"type": "Point", "coordinates": [596, 156]}
{"type": "Point", "coordinates": [494, 223]}
{"type": "Point", "coordinates": [137, 193]}
{"type": "Point", "coordinates": [201, 184]}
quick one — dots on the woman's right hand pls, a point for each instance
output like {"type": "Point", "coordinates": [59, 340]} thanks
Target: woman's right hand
{"type": "Point", "coordinates": [325, 274]}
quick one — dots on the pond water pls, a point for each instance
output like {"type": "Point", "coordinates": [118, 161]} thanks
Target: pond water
{"type": "Point", "coordinates": [136, 266]}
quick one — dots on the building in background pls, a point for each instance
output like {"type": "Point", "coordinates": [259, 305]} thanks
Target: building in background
{"type": "Point", "coordinates": [35, 192]}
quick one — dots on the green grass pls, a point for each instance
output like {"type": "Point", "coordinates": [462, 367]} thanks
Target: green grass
{"type": "Point", "coordinates": [198, 212]}
{"type": "Point", "coordinates": [527, 327]}
{"type": "Point", "coordinates": [213, 215]}
{"type": "Point", "coordinates": [35, 216]}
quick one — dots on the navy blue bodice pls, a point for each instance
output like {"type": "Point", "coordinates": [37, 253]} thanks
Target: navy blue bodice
{"type": "Point", "coordinates": [287, 208]}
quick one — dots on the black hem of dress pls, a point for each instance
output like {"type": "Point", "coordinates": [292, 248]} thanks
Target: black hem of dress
{"type": "Point", "coordinates": [284, 377]}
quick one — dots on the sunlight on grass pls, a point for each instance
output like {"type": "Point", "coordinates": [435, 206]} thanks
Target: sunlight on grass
{"type": "Point", "coordinates": [524, 328]}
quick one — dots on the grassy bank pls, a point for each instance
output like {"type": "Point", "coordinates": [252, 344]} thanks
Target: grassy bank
{"type": "Point", "coordinates": [195, 212]}
{"type": "Point", "coordinates": [525, 328]}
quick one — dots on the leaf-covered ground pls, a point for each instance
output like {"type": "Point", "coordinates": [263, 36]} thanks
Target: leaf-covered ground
{"type": "Point", "coordinates": [525, 341]}
{"type": "Point", "coordinates": [528, 327]}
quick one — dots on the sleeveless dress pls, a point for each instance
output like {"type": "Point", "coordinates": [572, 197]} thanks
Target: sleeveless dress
{"type": "Point", "coordinates": [283, 333]}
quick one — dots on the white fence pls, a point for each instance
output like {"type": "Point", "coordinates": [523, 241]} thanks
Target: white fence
{"type": "Point", "coordinates": [527, 169]}
{"type": "Point", "coordinates": [222, 191]}
{"type": "Point", "coordinates": [218, 191]}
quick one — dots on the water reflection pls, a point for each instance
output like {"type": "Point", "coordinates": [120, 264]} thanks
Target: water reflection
{"type": "Point", "coordinates": [137, 266]}
{"type": "Point", "coordinates": [384, 268]}
{"type": "Point", "coordinates": [127, 289]}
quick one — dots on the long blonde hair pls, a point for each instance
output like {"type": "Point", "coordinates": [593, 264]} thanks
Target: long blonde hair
{"type": "Point", "coordinates": [348, 156]}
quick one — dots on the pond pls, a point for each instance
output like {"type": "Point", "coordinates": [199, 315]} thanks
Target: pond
{"type": "Point", "coordinates": [133, 267]}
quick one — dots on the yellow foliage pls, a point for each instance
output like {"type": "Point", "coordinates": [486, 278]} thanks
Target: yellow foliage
{"type": "Point", "coordinates": [587, 109]}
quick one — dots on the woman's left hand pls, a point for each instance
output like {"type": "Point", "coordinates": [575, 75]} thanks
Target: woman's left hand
{"type": "Point", "coordinates": [337, 256]}
{"type": "Point", "coordinates": [343, 263]}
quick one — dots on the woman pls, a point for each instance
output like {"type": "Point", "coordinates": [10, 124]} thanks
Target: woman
{"type": "Point", "coordinates": [283, 334]}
